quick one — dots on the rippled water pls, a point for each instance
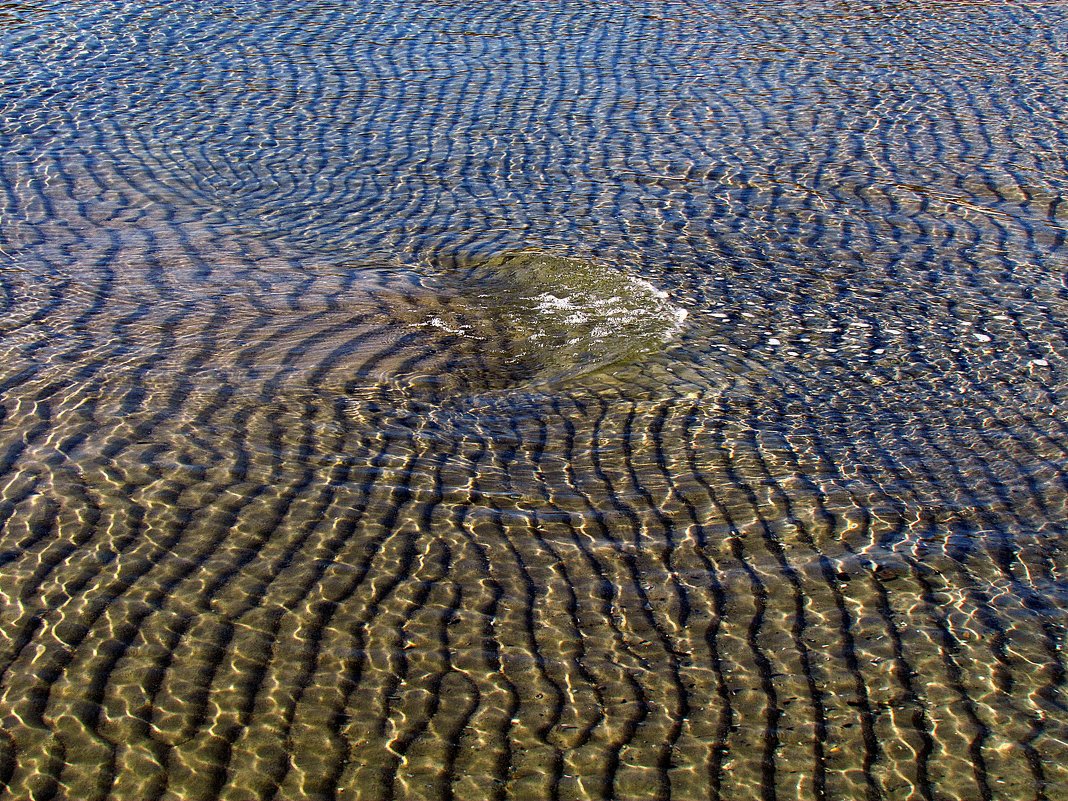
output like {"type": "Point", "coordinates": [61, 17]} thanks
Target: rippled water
{"type": "Point", "coordinates": [508, 400]}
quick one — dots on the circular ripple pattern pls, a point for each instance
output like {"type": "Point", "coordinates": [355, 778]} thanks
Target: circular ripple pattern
{"type": "Point", "coordinates": [294, 505]}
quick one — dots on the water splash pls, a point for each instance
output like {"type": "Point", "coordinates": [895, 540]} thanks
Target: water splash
{"type": "Point", "coordinates": [549, 319]}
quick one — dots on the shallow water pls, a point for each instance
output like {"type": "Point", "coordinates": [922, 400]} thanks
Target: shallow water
{"type": "Point", "coordinates": [472, 400]}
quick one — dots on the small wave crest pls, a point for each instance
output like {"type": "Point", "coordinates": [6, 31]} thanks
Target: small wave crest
{"type": "Point", "coordinates": [526, 320]}
{"type": "Point", "coordinates": [569, 317]}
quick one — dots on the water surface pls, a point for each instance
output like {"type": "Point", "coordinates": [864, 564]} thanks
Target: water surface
{"type": "Point", "coordinates": [501, 400]}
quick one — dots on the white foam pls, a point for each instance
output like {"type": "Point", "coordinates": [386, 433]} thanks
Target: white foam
{"type": "Point", "coordinates": [612, 315]}
{"type": "Point", "coordinates": [437, 322]}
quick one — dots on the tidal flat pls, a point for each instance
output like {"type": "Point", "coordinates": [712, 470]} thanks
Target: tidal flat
{"type": "Point", "coordinates": [507, 401]}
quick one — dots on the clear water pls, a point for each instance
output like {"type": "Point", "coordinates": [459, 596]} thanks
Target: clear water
{"type": "Point", "coordinates": [470, 400]}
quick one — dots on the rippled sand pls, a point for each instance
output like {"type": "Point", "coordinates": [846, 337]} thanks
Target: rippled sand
{"type": "Point", "coordinates": [520, 401]}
